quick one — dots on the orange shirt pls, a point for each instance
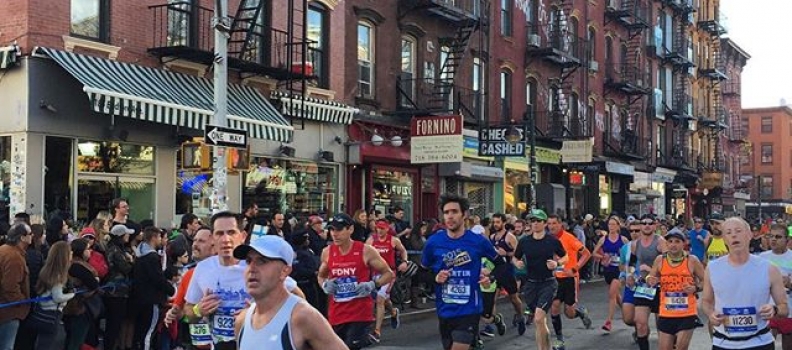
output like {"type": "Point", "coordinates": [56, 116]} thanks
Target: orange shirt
{"type": "Point", "coordinates": [674, 301]}
{"type": "Point", "coordinates": [183, 285]}
{"type": "Point", "coordinates": [572, 246]}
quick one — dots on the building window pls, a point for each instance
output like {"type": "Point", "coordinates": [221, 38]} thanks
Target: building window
{"type": "Point", "coordinates": [366, 62]}
{"type": "Point", "coordinates": [505, 95]}
{"type": "Point", "coordinates": [573, 37]}
{"type": "Point", "coordinates": [318, 49]}
{"type": "Point", "coordinates": [478, 87]}
{"type": "Point", "coordinates": [506, 17]}
{"type": "Point", "coordinates": [767, 153]}
{"type": "Point", "coordinates": [407, 77]}
{"type": "Point", "coordinates": [530, 97]}
{"type": "Point", "coordinates": [767, 124]}
{"type": "Point", "coordinates": [608, 50]}
{"type": "Point", "coordinates": [661, 144]}
{"type": "Point", "coordinates": [592, 44]}
{"type": "Point", "coordinates": [767, 186]}
{"type": "Point", "coordinates": [90, 19]}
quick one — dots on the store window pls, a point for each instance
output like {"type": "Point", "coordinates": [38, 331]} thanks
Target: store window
{"type": "Point", "coordinates": [391, 189]}
{"type": "Point", "coordinates": [288, 186]}
{"type": "Point", "coordinates": [58, 176]}
{"type": "Point", "coordinates": [5, 179]}
{"type": "Point", "coordinates": [517, 191]}
{"type": "Point", "coordinates": [108, 170]}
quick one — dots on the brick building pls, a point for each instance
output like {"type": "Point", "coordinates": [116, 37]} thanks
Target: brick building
{"type": "Point", "coordinates": [768, 169]}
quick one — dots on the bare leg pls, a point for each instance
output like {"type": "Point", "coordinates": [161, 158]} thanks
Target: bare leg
{"type": "Point", "coordinates": [683, 339]}
{"type": "Point", "coordinates": [542, 332]}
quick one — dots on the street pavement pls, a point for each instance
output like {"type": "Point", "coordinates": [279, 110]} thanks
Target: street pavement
{"type": "Point", "coordinates": [419, 330]}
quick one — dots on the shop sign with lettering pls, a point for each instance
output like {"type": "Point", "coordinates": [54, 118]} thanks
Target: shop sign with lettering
{"type": "Point", "coordinates": [503, 141]}
{"type": "Point", "coordinates": [436, 139]}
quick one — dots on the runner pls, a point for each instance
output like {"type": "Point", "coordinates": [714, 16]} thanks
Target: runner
{"type": "Point", "coordinates": [678, 275]}
{"type": "Point", "coordinates": [504, 243]}
{"type": "Point", "coordinates": [277, 320]}
{"type": "Point", "coordinates": [567, 277]}
{"type": "Point", "coordinates": [454, 255]}
{"type": "Point", "coordinates": [781, 257]}
{"type": "Point", "coordinates": [740, 311]}
{"type": "Point", "coordinates": [489, 291]}
{"type": "Point", "coordinates": [716, 245]}
{"type": "Point", "coordinates": [628, 266]}
{"type": "Point", "coordinates": [645, 250]}
{"type": "Point", "coordinates": [610, 256]}
{"type": "Point", "coordinates": [387, 247]}
{"type": "Point", "coordinates": [540, 254]}
{"type": "Point", "coordinates": [346, 277]}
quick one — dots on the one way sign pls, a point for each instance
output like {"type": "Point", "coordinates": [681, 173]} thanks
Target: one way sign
{"type": "Point", "coordinates": [226, 137]}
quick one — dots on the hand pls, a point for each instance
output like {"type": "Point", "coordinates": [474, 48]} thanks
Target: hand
{"type": "Point", "coordinates": [519, 264]}
{"type": "Point", "coordinates": [442, 276]}
{"type": "Point", "coordinates": [606, 259]}
{"type": "Point", "coordinates": [785, 279]}
{"type": "Point", "coordinates": [173, 314]}
{"type": "Point", "coordinates": [484, 280]}
{"type": "Point", "coordinates": [365, 288]}
{"type": "Point", "coordinates": [767, 311]}
{"type": "Point", "coordinates": [209, 303]}
{"type": "Point", "coordinates": [716, 320]}
{"type": "Point", "coordinates": [700, 238]}
{"type": "Point", "coordinates": [690, 288]}
{"type": "Point", "coordinates": [652, 280]}
{"type": "Point", "coordinates": [551, 264]}
{"type": "Point", "coordinates": [630, 280]}
{"type": "Point", "coordinates": [402, 267]}
{"type": "Point", "coordinates": [329, 286]}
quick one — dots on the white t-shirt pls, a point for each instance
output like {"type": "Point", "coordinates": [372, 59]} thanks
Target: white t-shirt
{"type": "Point", "coordinates": [783, 262]}
{"type": "Point", "coordinates": [228, 282]}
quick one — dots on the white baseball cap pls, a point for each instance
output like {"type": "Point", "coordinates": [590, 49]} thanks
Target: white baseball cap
{"type": "Point", "coordinates": [270, 246]}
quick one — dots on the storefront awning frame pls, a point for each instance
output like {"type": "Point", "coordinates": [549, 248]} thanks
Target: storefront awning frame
{"type": "Point", "coordinates": [314, 109]}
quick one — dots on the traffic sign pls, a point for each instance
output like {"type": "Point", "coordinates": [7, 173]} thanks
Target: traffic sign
{"type": "Point", "coordinates": [226, 137]}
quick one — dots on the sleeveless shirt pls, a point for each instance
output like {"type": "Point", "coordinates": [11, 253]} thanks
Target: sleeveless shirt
{"type": "Point", "coordinates": [275, 335]}
{"type": "Point", "coordinates": [646, 255]}
{"type": "Point", "coordinates": [739, 293]}
{"type": "Point", "coordinates": [385, 248]}
{"type": "Point", "coordinates": [612, 249]}
{"type": "Point", "coordinates": [349, 270]}
{"type": "Point", "coordinates": [674, 301]}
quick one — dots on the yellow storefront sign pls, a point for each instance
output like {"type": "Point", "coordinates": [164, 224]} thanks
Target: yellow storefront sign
{"type": "Point", "coordinates": [543, 155]}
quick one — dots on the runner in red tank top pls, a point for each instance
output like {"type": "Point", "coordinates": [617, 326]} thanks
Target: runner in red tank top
{"type": "Point", "coordinates": [345, 277]}
{"type": "Point", "coordinates": [387, 247]}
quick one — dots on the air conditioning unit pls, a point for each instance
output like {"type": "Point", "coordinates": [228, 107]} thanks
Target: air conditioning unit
{"type": "Point", "coordinates": [594, 66]}
{"type": "Point", "coordinates": [533, 40]}
{"type": "Point", "coordinates": [613, 5]}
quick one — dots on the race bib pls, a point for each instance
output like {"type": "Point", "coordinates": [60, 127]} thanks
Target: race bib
{"type": "Point", "coordinates": [456, 291]}
{"type": "Point", "coordinates": [200, 334]}
{"type": "Point", "coordinates": [645, 292]}
{"type": "Point", "coordinates": [223, 325]}
{"type": "Point", "coordinates": [614, 260]}
{"type": "Point", "coordinates": [345, 289]}
{"type": "Point", "coordinates": [741, 321]}
{"type": "Point", "coordinates": [676, 301]}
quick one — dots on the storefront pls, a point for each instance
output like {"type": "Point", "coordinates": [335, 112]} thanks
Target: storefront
{"type": "Point", "coordinates": [517, 179]}
{"type": "Point", "coordinates": [474, 180]}
{"type": "Point", "coordinates": [614, 187]}
{"type": "Point", "coordinates": [647, 192]}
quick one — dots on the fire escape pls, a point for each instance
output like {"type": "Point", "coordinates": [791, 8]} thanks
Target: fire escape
{"type": "Point", "coordinates": [443, 93]}
{"type": "Point", "coordinates": [680, 110]}
{"type": "Point", "coordinates": [629, 77]}
{"type": "Point", "coordinates": [713, 68]}
{"type": "Point", "coordinates": [556, 44]}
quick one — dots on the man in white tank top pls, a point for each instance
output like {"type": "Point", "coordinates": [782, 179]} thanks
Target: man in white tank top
{"type": "Point", "coordinates": [277, 320]}
{"type": "Point", "coordinates": [737, 291]}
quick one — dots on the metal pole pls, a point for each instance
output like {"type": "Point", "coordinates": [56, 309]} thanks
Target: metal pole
{"type": "Point", "coordinates": [221, 28]}
{"type": "Point", "coordinates": [759, 197]}
{"type": "Point", "coordinates": [532, 160]}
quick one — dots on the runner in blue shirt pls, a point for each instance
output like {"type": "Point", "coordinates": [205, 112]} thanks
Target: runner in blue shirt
{"type": "Point", "coordinates": [454, 256]}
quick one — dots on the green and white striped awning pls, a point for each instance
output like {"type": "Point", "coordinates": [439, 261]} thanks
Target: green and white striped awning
{"type": "Point", "coordinates": [313, 108]}
{"type": "Point", "coordinates": [160, 96]}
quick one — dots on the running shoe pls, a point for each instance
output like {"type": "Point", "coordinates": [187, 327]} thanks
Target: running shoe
{"type": "Point", "coordinates": [528, 311]}
{"type": "Point", "coordinates": [520, 321]}
{"type": "Point", "coordinates": [583, 312]}
{"type": "Point", "coordinates": [607, 326]}
{"type": "Point", "coordinates": [488, 331]}
{"type": "Point", "coordinates": [478, 345]}
{"type": "Point", "coordinates": [499, 324]}
{"type": "Point", "coordinates": [395, 318]}
{"type": "Point", "coordinates": [558, 344]}
{"type": "Point", "coordinates": [375, 337]}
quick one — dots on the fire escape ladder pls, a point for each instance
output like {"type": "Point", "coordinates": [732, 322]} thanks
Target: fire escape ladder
{"type": "Point", "coordinates": [443, 89]}
{"type": "Point", "coordinates": [247, 29]}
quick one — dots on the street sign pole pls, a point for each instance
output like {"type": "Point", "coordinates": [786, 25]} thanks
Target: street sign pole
{"type": "Point", "coordinates": [220, 177]}
{"type": "Point", "coordinates": [532, 161]}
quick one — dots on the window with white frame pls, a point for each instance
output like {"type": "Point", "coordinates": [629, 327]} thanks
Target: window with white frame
{"type": "Point", "coordinates": [365, 54]}
{"type": "Point", "coordinates": [407, 77]}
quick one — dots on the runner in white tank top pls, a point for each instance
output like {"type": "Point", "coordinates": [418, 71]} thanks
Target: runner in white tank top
{"type": "Point", "coordinates": [277, 320]}
{"type": "Point", "coordinates": [738, 310]}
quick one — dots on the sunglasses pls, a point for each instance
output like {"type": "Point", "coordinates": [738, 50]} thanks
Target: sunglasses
{"type": "Point", "coordinates": [535, 220]}
{"type": "Point", "coordinates": [699, 222]}
{"type": "Point", "coordinates": [647, 222]}
{"type": "Point", "coordinates": [777, 236]}
{"type": "Point", "coordinates": [635, 230]}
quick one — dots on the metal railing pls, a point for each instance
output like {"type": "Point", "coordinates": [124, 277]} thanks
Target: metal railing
{"type": "Point", "coordinates": [627, 74]}
{"type": "Point", "coordinates": [182, 24]}
{"type": "Point", "coordinates": [557, 37]}
{"type": "Point", "coordinates": [560, 124]}
{"type": "Point", "coordinates": [430, 95]}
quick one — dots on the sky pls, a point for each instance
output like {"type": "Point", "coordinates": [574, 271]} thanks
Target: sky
{"type": "Point", "coordinates": [763, 28]}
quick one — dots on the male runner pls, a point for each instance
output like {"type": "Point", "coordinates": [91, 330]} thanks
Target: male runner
{"type": "Point", "coordinates": [699, 238]}
{"type": "Point", "coordinates": [628, 298]}
{"type": "Point", "coordinates": [737, 293]}
{"type": "Point", "coordinates": [387, 247]}
{"type": "Point", "coordinates": [781, 257]}
{"type": "Point", "coordinates": [678, 275]}
{"type": "Point", "coordinates": [346, 277]}
{"type": "Point", "coordinates": [504, 243]}
{"type": "Point", "coordinates": [540, 254]}
{"type": "Point", "coordinates": [716, 245]}
{"type": "Point", "coordinates": [454, 256]}
{"type": "Point", "coordinates": [567, 277]}
{"type": "Point", "coordinates": [644, 252]}
{"type": "Point", "coordinates": [277, 320]}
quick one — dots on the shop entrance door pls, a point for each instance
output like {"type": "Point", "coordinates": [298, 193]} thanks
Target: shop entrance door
{"type": "Point", "coordinates": [94, 193]}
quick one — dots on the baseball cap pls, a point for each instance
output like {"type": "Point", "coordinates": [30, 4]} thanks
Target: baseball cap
{"type": "Point", "coordinates": [88, 232]}
{"type": "Point", "coordinates": [340, 220]}
{"type": "Point", "coordinates": [315, 219]}
{"type": "Point", "coordinates": [675, 234]}
{"type": "Point", "coordinates": [120, 230]}
{"type": "Point", "coordinates": [271, 246]}
{"type": "Point", "coordinates": [537, 214]}
{"type": "Point", "coordinates": [630, 218]}
{"type": "Point", "coordinates": [717, 216]}
{"type": "Point", "coordinates": [382, 224]}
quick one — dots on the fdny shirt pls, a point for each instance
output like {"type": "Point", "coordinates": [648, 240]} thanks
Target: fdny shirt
{"type": "Point", "coordinates": [461, 294]}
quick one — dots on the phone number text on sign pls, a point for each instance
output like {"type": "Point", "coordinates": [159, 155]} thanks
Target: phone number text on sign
{"type": "Point", "coordinates": [436, 149]}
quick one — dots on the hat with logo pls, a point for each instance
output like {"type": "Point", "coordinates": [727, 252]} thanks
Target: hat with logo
{"type": "Point", "coordinates": [88, 232]}
{"type": "Point", "coordinates": [120, 230]}
{"type": "Point", "coordinates": [675, 234]}
{"type": "Point", "coordinates": [717, 216]}
{"type": "Point", "coordinates": [271, 246]}
{"type": "Point", "coordinates": [537, 214]}
{"type": "Point", "coordinates": [340, 220]}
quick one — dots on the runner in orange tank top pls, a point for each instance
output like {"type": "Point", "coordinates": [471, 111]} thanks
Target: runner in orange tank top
{"type": "Point", "coordinates": [678, 275]}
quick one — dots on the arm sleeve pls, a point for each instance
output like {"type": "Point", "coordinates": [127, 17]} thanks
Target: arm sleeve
{"type": "Point", "coordinates": [427, 257]}
{"type": "Point", "coordinates": [10, 284]}
{"type": "Point", "coordinates": [84, 275]}
{"type": "Point", "coordinates": [183, 285]}
{"type": "Point", "coordinates": [488, 250]}
{"type": "Point", "coordinates": [578, 245]}
{"type": "Point", "coordinates": [58, 296]}
{"type": "Point", "coordinates": [119, 262]}
{"type": "Point", "coordinates": [559, 250]}
{"type": "Point", "coordinates": [518, 252]}
{"type": "Point", "coordinates": [155, 275]}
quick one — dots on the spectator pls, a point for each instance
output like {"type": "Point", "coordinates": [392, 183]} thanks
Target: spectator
{"type": "Point", "coordinates": [76, 315]}
{"type": "Point", "coordinates": [361, 231]}
{"type": "Point", "coordinates": [401, 225]}
{"type": "Point", "coordinates": [22, 218]}
{"type": "Point", "coordinates": [53, 278]}
{"type": "Point", "coordinates": [250, 214]}
{"type": "Point", "coordinates": [277, 225]}
{"type": "Point", "coordinates": [317, 236]}
{"type": "Point", "coordinates": [187, 228]}
{"type": "Point", "coordinates": [14, 283]}
{"type": "Point", "coordinates": [56, 230]}
{"type": "Point", "coordinates": [35, 255]}
{"type": "Point", "coordinates": [151, 287]}
{"type": "Point", "coordinates": [120, 261]}
{"type": "Point", "coordinates": [305, 267]}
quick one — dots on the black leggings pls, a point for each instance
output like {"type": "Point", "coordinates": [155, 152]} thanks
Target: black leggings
{"type": "Point", "coordinates": [146, 327]}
